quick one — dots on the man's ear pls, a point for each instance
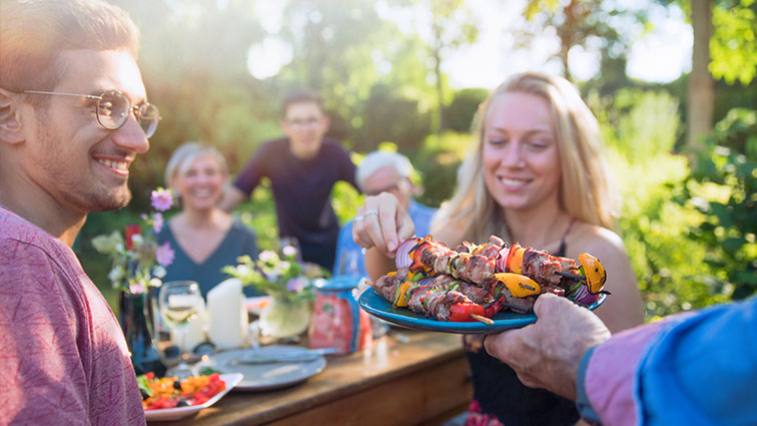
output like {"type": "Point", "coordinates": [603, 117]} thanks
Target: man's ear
{"type": "Point", "coordinates": [10, 122]}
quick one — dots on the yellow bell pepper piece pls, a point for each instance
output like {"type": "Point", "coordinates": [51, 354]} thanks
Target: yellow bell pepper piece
{"type": "Point", "coordinates": [594, 272]}
{"type": "Point", "coordinates": [403, 296]}
{"type": "Point", "coordinates": [519, 285]}
{"type": "Point", "coordinates": [515, 263]}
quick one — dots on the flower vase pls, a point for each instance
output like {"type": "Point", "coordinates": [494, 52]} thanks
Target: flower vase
{"type": "Point", "coordinates": [135, 317]}
{"type": "Point", "coordinates": [282, 318]}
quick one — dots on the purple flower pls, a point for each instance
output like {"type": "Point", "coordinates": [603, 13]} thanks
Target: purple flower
{"type": "Point", "coordinates": [164, 254]}
{"type": "Point", "coordinates": [296, 285]}
{"type": "Point", "coordinates": [157, 222]}
{"type": "Point", "coordinates": [161, 199]}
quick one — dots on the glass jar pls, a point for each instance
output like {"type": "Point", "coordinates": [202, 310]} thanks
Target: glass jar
{"type": "Point", "coordinates": [337, 320]}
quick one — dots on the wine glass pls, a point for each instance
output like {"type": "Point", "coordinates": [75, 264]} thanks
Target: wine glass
{"type": "Point", "coordinates": [349, 264]}
{"type": "Point", "coordinates": [180, 305]}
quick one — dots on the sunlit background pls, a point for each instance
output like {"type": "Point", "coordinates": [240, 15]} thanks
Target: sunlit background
{"type": "Point", "coordinates": [409, 74]}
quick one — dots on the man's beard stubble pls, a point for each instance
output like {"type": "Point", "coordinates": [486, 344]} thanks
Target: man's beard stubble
{"type": "Point", "coordinates": [73, 185]}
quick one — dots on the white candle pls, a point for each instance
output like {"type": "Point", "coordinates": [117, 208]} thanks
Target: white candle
{"type": "Point", "coordinates": [228, 317]}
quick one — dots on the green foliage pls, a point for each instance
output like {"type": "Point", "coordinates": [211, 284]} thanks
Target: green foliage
{"type": "Point", "coordinates": [346, 201]}
{"type": "Point", "coordinates": [733, 46]}
{"type": "Point", "coordinates": [724, 188]}
{"type": "Point", "coordinates": [391, 117]}
{"type": "Point", "coordinates": [670, 268]}
{"type": "Point", "coordinates": [645, 122]}
{"type": "Point", "coordinates": [438, 162]}
{"type": "Point", "coordinates": [458, 116]}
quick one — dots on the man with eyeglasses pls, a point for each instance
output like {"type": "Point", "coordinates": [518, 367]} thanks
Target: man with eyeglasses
{"type": "Point", "coordinates": [381, 171]}
{"type": "Point", "coordinates": [73, 118]}
{"type": "Point", "coordinates": [303, 168]}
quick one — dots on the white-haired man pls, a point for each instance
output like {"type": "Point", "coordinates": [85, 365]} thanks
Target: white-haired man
{"type": "Point", "coordinates": [381, 171]}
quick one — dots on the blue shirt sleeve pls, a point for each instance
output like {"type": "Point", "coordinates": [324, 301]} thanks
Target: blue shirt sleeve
{"type": "Point", "coordinates": [695, 369]}
{"type": "Point", "coordinates": [582, 398]}
{"type": "Point", "coordinates": [703, 370]}
{"type": "Point", "coordinates": [422, 216]}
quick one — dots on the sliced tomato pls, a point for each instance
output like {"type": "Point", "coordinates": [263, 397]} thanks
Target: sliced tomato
{"type": "Point", "coordinates": [463, 311]}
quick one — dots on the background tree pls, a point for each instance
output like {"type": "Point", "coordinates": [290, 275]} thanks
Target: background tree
{"type": "Point", "coordinates": [452, 26]}
{"type": "Point", "coordinates": [701, 99]}
{"type": "Point", "coordinates": [585, 23]}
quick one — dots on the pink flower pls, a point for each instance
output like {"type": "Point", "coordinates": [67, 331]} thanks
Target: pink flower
{"type": "Point", "coordinates": [164, 254]}
{"type": "Point", "coordinates": [136, 288]}
{"type": "Point", "coordinates": [161, 199]}
{"type": "Point", "coordinates": [296, 285]}
{"type": "Point", "coordinates": [157, 222]}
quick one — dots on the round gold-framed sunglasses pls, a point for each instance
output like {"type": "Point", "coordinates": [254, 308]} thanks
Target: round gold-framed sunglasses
{"type": "Point", "coordinates": [112, 109]}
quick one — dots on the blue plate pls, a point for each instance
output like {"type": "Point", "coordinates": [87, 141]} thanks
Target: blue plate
{"type": "Point", "coordinates": [377, 306]}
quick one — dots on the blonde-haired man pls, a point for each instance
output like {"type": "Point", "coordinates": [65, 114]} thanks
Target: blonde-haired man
{"type": "Point", "coordinates": [73, 117]}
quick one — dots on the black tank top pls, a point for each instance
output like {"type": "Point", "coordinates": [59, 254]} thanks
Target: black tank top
{"type": "Point", "coordinates": [500, 394]}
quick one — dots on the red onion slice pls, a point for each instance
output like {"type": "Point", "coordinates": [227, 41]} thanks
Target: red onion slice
{"type": "Point", "coordinates": [501, 265]}
{"type": "Point", "coordinates": [402, 258]}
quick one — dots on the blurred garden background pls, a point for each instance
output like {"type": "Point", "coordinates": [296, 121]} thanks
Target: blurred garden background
{"type": "Point", "coordinates": [671, 81]}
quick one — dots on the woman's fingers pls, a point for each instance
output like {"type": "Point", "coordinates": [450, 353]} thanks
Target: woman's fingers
{"type": "Point", "coordinates": [388, 224]}
{"type": "Point", "coordinates": [405, 225]}
{"type": "Point", "coordinates": [382, 223]}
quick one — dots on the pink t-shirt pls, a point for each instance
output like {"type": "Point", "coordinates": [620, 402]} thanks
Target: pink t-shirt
{"type": "Point", "coordinates": [63, 357]}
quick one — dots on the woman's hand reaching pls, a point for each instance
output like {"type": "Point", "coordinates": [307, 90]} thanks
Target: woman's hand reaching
{"type": "Point", "coordinates": [382, 223]}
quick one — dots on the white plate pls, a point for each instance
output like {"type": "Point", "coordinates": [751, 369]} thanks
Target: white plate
{"type": "Point", "coordinates": [258, 377]}
{"type": "Point", "coordinates": [167, 414]}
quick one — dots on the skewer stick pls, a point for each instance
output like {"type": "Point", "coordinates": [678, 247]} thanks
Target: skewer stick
{"type": "Point", "coordinates": [487, 321]}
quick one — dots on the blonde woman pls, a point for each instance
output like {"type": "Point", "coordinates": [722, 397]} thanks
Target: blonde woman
{"type": "Point", "coordinates": [536, 177]}
{"type": "Point", "coordinates": [204, 237]}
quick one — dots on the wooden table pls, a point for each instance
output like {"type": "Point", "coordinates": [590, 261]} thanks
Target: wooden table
{"type": "Point", "coordinates": [405, 378]}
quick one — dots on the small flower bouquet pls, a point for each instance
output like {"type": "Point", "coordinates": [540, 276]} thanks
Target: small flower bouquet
{"type": "Point", "coordinates": [138, 265]}
{"type": "Point", "coordinates": [138, 261]}
{"type": "Point", "coordinates": [287, 281]}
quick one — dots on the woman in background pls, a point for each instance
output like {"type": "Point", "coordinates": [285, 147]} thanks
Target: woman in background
{"type": "Point", "coordinates": [204, 237]}
{"type": "Point", "coordinates": [535, 177]}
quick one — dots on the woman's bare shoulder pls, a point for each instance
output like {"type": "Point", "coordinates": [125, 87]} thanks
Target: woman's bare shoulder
{"type": "Point", "coordinates": [594, 239]}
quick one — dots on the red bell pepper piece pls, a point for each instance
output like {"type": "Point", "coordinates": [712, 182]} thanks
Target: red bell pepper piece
{"type": "Point", "coordinates": [463, 311]}
{"type": "Point", "coordinates": [416, 253]}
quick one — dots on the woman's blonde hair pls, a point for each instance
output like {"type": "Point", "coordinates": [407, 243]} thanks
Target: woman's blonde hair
{"type": "Point", "coordinates": [182, 159]}
{"type": "Point", "coordinates": [584, 191]}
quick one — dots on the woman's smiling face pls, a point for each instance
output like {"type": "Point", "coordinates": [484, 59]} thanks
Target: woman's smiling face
{"type": "Point", "coordinates": [520, 154]}
{"type": "Point", "coordinates": [200, 185]}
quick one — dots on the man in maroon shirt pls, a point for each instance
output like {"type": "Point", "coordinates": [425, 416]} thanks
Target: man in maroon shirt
{"type": "Point", "coordinates": [303, 168]}
{"type": "Point", "coordinates": [73, 117]}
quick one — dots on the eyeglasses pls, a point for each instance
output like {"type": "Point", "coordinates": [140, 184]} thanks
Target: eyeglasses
{"type": "Point", "coordinates": [390, 188]}
{"type": "Point", "coordinates": [112, 109]}
{"type": "Point", "coordinates": [309, 121]}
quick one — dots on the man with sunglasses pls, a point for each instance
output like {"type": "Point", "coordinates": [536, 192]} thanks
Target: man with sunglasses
{"type": "Point", "coordinates": [381, 171]}
{"type": "Point", "coordinates": [303, 168]}
{"type": "Point", "coordinates": [73, 118]}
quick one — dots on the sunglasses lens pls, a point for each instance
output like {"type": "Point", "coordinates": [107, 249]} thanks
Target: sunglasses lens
{"type": "Point", "coordinates": [112, 110]}
{"type": "Point", "coordinates": [148, 119]}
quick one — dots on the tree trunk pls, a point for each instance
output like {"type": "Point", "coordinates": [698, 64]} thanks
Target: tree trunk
{"type": "Point", "coordinates": [437, 57]}
{"type": "Point", "coordinates": [701, 90]}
